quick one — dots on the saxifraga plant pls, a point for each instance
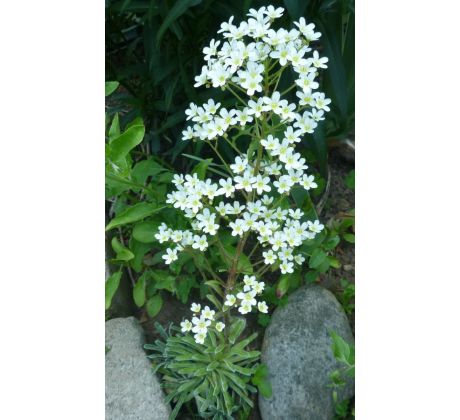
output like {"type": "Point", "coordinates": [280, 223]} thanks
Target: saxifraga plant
{"type": "Point", "coordinates": [250, 219]}
{"type": "Point", "coordinates": [216, 375]}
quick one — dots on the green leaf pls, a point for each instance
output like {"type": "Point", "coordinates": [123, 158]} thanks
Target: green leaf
{"type": "Point", "coordinates": [311, 276]}
{"type": "Point", "coordinates": [179, 8]}
{"type": "Point", "coordinates": [145, 231]}
{"type": "Point", "coordinates": [120, 146]}
{"type": "Point", "coordinates": [349, 237]}
{"type": "Point", "coordinates": [184, 286]}
{"type": "Point", "coordinates": [110, 87]}
{"type": "Point", "coordinates": [201, 168]}
{"type": "Point", "coordinates": [236, 329]}
{"type": "Point", "coordinates": [133, 214]}
{"type": "Point", "coordinates": [340, 348]}
{"type": "Point", "coordinates": [139, 290]}
{"type": "Point", "coordinates": [260, 379]}
{"type": "Point", "coordinates": [263, 319]}
{"type": "Point", "coordinates": [114, 130]}
{"type": "Point", "coordinates": [111, 286]}
{"type": "Point", "coordinates": [145, 168]}
{"type": "Point", "coordinates": [317, 258]}
{"type": "Point", "coordinates": [123, 253]}
{"type": "Point", "coordinates": [283, 285]}
{"type": "Point", "coordinates": [154, 305]}
{"type": "Point", "coordinates": [163, 280]}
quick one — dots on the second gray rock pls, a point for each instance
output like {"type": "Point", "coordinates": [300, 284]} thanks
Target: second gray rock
{"type": "Point", "coordinates": [297, 351]}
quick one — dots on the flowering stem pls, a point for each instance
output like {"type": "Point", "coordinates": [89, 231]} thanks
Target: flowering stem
{"type": "Point", "coordinates": [237, 96]}
{"type": "Point", "coordinates": [288, 89]}
{"type": "Point", "coordinates": [220, 157]}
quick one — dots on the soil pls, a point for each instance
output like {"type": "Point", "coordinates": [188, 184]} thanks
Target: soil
{"type": "Point", "coordinates": [341, 199]}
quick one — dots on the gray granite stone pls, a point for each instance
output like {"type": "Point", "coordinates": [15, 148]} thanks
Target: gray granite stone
{"type": "Point", "coordinates": [297, 351]}
{"type": "Point", "coordinates": [132, 391]}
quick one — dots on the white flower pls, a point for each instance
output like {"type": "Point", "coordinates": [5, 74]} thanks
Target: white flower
{"type": "Point", "coordinates": [201, 324]}
{"type": "Point", "coordinates": [170, 256]}
{"type": "Point", "coordinates": [316, 226]}
{"type": "Point", "coordinates": [262, 307]}
{"type": "Point", "coordinates": [319, 62]}
{"type": "Point", "coordinates": [244, 182]}
{"type": "Point", "coordinates": [260, 184]}
{"type": "Point", "coordinates": [237, 227]}
{"type": "Point", "coordinates": [269, 257]}
{"type": "Point", "coordinates": [245, 308]}
{"type": "Point", "coordinates": [256, 108]}
{"type": "Point", "coordinates": [286, 267]}
{"type": "Point", "coordinates": [211, 50]}
{"type": "Point", "coordinates": [230, 300]}
{"type": "Point", "coordinates": [321, 102]}
{"type": "Point", "coordinates": [196, 307]}
{"type": "Point", "coordinates": [258, 287]}
{"type": "Point", "coordinates": [200, 242]}
{"type": "Point", "coordinates": [239, 166]}
{"type": "Point", "coordinates": [186, 325]}
{"type": "Point", "coordinates": [220, 326]}
{"type": "Point", "coordinates": [200, 337]}
{"type": "Point", "coordinates": [226, 187]}
{"type": "Point", "coordinates": [273, 13]}
{"type": "Point", "coordinates": [249, 282]}
{"type": "Point", "coordinates": [308, 181]}
{"type": "Point", "coordinates": [247, 298]}
{"type": "Point", "coordinates": [299, 259]}
{"type": "Point", "coordinates": [208, 313]}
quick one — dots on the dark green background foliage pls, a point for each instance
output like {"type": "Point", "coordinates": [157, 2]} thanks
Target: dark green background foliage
{"type": "Point", "coordinates": [154, 49]}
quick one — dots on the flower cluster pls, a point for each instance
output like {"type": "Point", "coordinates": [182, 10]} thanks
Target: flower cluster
{"type": "Point", "coordinates": [246, 299]}
{"type": "Point", "coordinates": [252, 197]}
{"type": "Point", "coordinates": [201, 322]}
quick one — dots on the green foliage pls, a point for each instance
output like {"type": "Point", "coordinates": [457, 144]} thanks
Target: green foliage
{"type": "Point", "coordinates": [345, 354]}
{"type": "Point", "coordinates": [216, 376]}
{"type": "Point", "coordinates": [346, 296]}
{"type": "Point", "coordinates": [135, 187]}
{"type": "Point", "coordinates": [260, 379]}
{"type": "Point", "coordinates": [111, 286]}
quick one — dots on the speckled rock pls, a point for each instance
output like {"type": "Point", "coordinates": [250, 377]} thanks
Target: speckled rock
{"type": "Point", "coordinates": [297, 351]}
{"type": "Point", "coordinates": [132, 391]}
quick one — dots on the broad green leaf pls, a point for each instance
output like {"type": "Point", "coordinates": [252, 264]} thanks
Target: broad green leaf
{"type": "Point", "coordinates": [184, 286]}
{"type": "Point", "coordinates": [154, 305]}
{"type": "Point", "coordinates": [114, 130]}
{"type": "Point", "coordinates": [145, 168]}
{"type": "Point", "coordinates": [110, 87]}
{"type": "Point", "coordinates": [163, 280]}
{"type": "Point", "coordinates": [317, 258]}
{"type": "Point", "coordinates": [123, 253]}
{"type": "Point", "coordinates": [145, 231]}
{"type": "Point", "coordinates": [128, 140]}
{"type": "Point", "coordinates": [179, 8]}
{"type": "Point", "coordinates": [349, 237]}
{"type": "Point", "coordinates": [133, 214]}
{"type": "Point", "coordinates": [340, 348]}
{"type": "Point", "coordinates": [139, 290]}
{"type": "Point", "coordinates": [111, 286]}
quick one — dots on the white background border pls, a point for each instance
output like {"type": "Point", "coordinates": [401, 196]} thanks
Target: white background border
{"type": "Point", "coordinates": [52, 211]}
